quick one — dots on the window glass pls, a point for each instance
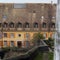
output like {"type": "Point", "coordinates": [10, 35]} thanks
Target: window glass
{"type": "Point", "coordinates": [19, 5]}
{"type": "Point", "coordinates": [5, 43]}
{"type": "Point", "coordinates": [4, 16]}
{"type": "Point", "coordinates": [53, 25]}
{"type": "Point", "coordinates": [11, 35]}
{"type": "Point", "coordinates": [11, 25]}
{"type": "Point", "coordinates": [5, 34]}
{"type": "Point", "coordinates": [5, 25]}
{"type": "Point", "coordinates": [27, 35]}
{"type": "Point", "coordinates": [19, 25]}
{"type": "Point", "coordinates": [12, 43]}
{"type": "Point", "coordinates": [27, 43]}
{"type": "Point", "coordinates": [35, 25]}
{"type": "Point", "coordinates": [44, 25]}
{"type": "Point", "coordinates": [27, 25]}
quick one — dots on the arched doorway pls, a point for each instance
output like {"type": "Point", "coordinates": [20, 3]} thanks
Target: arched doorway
{"type": "Point", "coordinates": [19, 43]}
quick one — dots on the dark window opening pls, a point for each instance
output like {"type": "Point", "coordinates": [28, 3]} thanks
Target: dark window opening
{"type": "Point", "coordinates": [5, 43]}
{"type": "Point", "coordinates": [26, 25]}
{"type": "Point", "coordinates": [19, 35]}
{"type": "Point", "coordinates": [5, 24]}
{"type": "Point", "coordinates": [19, 25]}
{"type": "Point", "coordinates": [5, 34]}
{"type": "Point", "coordinates": [44, 25]}
{"type": "Point", "coordinates": [19, 43]}
{"type": "Point", "coordinates": [12, 43]}
{"type": "Point", "coordinates": [53, 25]}
{"type": "Point", "coordinates": [35, 25]}
{"type": "Point", "coordinates": [19, 5]}
{"type": "Point", "coordinates": [11, 25]}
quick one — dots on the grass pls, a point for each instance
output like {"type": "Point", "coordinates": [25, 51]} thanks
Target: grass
{"type": "Point", "coordinates": [40, 56]}
{"type": "Point", "coordinates": [50, 56]}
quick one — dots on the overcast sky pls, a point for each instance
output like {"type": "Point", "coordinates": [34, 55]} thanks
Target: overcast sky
{"type": "Point", "coordinates": [27, 1]}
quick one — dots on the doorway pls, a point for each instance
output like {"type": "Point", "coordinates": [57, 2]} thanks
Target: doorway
{"type": "Point", "coordinates": [19, 43]}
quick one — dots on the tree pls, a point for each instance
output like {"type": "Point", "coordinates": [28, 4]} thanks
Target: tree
{"type": "Point", "coordinates": [37, 37]}
{"type": "Point", "coordinates": [50, 42]}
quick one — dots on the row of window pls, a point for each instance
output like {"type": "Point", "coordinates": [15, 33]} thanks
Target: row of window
{"type": "Point", "coordinates": [27, 25]}
{"type": "Point", "coordinates": [19, 43]}
{"type": "Point", "coordinates": [27, 35]}
{"type": "Point", "coordinates": [12, 35]}
{"type": "Point", "coordinates": [11, 43]}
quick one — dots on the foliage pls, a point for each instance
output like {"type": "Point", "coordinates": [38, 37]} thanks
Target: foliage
{"type": "Point", "coordinates": [5, 49]}
{"type": "Point", "coordinates": [50, 56]}
{"type": "Point", "coordinates": [37, 37]}
{"type": "Point", "coordinates": [51, 41]}
{"type": "Point", "coordinates": [41, 55]}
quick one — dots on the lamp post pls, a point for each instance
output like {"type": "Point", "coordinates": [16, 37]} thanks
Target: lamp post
{"type": "Point", "coordinates": [57, 35]}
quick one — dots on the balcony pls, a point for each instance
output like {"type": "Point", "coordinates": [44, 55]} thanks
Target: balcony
{"type": "Point", "coordinates": [36, 29]}
{"type": "Point", "coordinates": [5, 28]}
{"type": "Point", "coordinates": [52, 29]}
{"type": "Point", "coordinates": [19, 28]}
{"type": "Point", "coordinates": [27, 28]}
{"type": "Point", "coordinates": [11, 28]}
{"type": "Point", "coordinates": [44, 29]}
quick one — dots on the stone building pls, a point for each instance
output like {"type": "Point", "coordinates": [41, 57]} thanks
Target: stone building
{"type": "Point", "coordinates": [18, 23]}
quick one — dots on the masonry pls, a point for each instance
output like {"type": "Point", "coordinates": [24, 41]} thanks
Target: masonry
{"type": "Point", "coordinates": [18, 23]}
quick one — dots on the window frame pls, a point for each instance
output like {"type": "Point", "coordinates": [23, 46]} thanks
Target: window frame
{"type": "Point", "coordinates": [35, 25]}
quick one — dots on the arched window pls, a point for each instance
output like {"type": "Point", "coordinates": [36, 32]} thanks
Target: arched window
{"type": "Point", "coordinates": [44, 25]}
{"type": "Point", "coordinates": [26, 25]}
{"type": "Point", "coordinates": [5, 25]}
{"type": "Point", "coordinates": [11, 25]}
{"type": "Point", "coordinates": [53, 25]}
{"type": "Point", "coordinates": [19, 25]}
{"type": "Point", "coordinates": [35, 25]}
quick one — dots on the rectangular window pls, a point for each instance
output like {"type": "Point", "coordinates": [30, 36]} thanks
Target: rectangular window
{"type": "Point", "coordinates": [5, 34]}
{"type": "Point", "coordinates": [5, 43]}
{"type": "Point", "coordinates": [11, 35]}
{"type": "Point", "coordinates": [12, 43]}
{"type": "Point", "coordinates": [19, 5]}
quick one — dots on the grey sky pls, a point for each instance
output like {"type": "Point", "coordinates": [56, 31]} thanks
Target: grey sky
{"type": "Point", "coordinates": [27, 1]}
